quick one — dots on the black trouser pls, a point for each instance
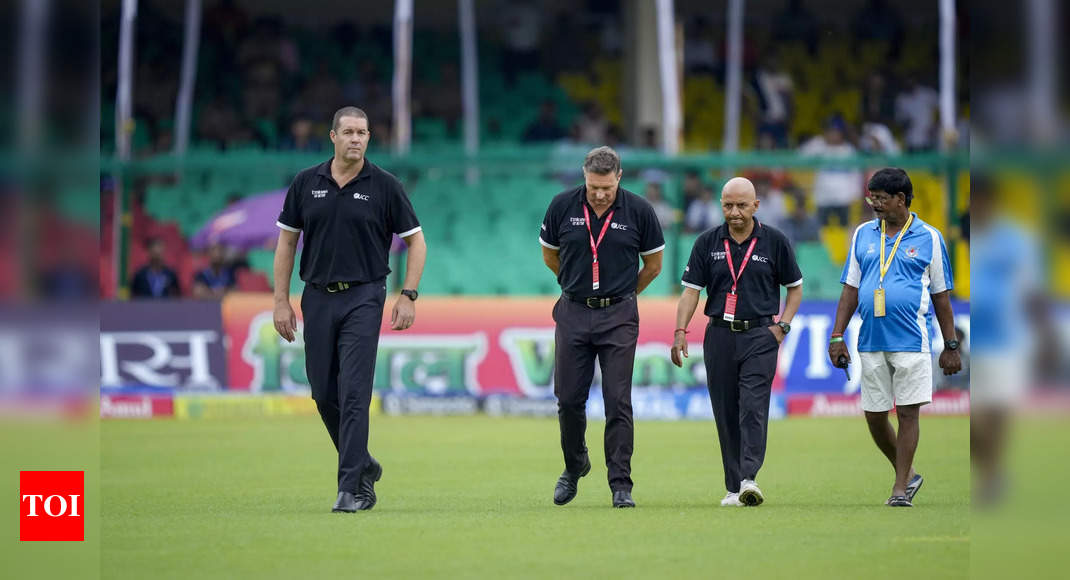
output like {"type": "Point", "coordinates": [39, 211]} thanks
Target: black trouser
{"type": "Point", "coordinates": [583, 333]}
{"type": "Point", "coordinates": [739, 370]}
{"type": "Point", "coordinates": [341, 336]}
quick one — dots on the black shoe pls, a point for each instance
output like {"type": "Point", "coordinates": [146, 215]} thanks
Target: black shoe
{"type": "Point", "coordinates": [566, 489]}
{"type": "Point", "coordinates": [623, 499]}
{"type": "Point", "coordinates": [899, 501]}
{"type": "Point", "coordinates": [346, 503]}
{"type": "Point", "coordinates": [365, 495]}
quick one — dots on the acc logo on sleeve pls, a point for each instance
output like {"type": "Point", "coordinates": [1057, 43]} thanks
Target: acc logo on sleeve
{"type": "Point", "coordinates": [51, 506]}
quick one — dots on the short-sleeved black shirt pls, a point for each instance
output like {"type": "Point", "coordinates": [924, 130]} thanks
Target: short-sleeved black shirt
{"type": "Point", "coordinates": [347, 230]}
{"type": "Point", "coordinates": [634, 231]}
{"type": "Point", "coordinates": [772, 265]}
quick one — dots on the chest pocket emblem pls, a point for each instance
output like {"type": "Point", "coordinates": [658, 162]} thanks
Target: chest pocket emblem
{"type": "Point", "coordinates": [360, 196]}
{"type": "Point", "coordinates": [319, 193]}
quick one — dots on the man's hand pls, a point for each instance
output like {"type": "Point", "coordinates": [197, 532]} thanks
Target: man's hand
{"type": "Point", "coordinates": [404, 313]}
{"type": "Point", "coordinates": [285, 321]}
{"type": "Point", "coordinates": [836, 350]}
{"type": "Point", "coordinates": [778, 333]}
{"type": "Point", "coordinates": [679, 346]}
{"type": "Point", "coordinates": [950, 361]}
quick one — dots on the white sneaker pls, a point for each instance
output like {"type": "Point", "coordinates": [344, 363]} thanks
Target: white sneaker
{"type": "Point", "coordinates": [749, 493]}
{"type": "Point", "coordinates": [731, 500]}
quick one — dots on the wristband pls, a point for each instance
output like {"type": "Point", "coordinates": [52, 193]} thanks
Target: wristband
{"type": "Point", "coordinates": [684, 330]}
{"type": "Point", "coordinates": [835, 339]}
{"type": "Point", "coordinates": [836, 334]}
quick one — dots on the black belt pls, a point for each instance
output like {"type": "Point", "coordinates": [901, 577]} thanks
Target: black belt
{"type": "Point", "coordinates": [743, 325]}
{"type": "Point", "coordinates": [597, 301]}
{"type": "Point", "coordinates": [335, 286]}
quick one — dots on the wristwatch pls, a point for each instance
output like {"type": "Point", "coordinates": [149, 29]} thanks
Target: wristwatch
{"type": "Point", "coordinates": [785, 327]}
{"type": "Point", "coordinates": [411, 294]}
{"type": "Point", "coordinates": [951, 345]}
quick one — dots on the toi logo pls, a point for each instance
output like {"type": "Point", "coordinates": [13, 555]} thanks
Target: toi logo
{"type": "Point", "coordinates": [51, 506]}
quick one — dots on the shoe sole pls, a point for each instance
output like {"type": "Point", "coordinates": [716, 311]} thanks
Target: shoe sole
{"type": "Point", "coordinates": [585, 472]}
{"type": "Point", "coordinates": [751, 498]}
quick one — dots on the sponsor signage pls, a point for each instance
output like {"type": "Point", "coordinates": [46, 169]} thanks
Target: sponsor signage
{"type": "Point", "coordinates": [166, 344]}
{"type": "Point", "coordinates": [505, 346]}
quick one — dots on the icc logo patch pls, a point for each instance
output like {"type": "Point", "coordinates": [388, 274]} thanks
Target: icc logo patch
{"type": "Point", "coordinates": [51, 506]}
{"type": "Point", "coordinates": [912, 253]}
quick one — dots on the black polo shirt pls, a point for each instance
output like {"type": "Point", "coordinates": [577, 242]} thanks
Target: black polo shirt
{"type": "Point", "coordinates": [772, 265]}
{"type": "Point", "coordinates": [347, 230]}
{"type": "Point", "coordinates": [634, 231]}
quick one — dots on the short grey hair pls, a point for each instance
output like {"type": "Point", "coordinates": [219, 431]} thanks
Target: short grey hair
{"type": "Point", "coordinates": [347, 112]}
{"type": "Point", "coordinates": [602, 160]}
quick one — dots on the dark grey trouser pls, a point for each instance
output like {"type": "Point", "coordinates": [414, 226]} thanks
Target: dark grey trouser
{"type": "Point", "coordinates": [739, 370]}
{"type": "Point", "coordinates": [582, 334]}
{"type": "Point", "coordinates": [341, 336]}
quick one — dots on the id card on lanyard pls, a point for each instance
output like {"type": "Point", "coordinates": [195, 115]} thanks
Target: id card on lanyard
{"type": "Point", "coordinates": [879, 306]}
{"type": "Point", "coordinates": [595, 244]}
{"type": "Point", "coordinates": [731, 298]}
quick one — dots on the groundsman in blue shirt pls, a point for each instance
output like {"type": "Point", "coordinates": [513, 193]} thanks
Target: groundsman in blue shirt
{"type": "Point", "coordinates": [897, 275]}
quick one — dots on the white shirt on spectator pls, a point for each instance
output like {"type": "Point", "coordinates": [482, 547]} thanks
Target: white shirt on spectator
{"type": "Point", "coordinates": [833, 187]}
{"type": "Point", "coordinates": [917, 111]}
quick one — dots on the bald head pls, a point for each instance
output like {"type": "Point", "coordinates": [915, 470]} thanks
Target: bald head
{"type": "Point", "coordinates": [739, 201]}
{"type": "Point", "coordinates": [739, 188]}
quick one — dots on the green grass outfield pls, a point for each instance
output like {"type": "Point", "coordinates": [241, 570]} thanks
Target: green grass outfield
{"type": "Point", "coordinates": [471, 497]}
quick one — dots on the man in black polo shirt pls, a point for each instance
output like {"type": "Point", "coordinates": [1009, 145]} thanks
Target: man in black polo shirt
{"type": "Point", "coordinates": [592, 238]}
{"type": "Point", "coordinates": [742, 264]}
{"type": "Point", "coordinates": [348, 209]}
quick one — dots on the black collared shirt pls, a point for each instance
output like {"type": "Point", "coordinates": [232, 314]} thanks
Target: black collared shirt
{"type": "Point", "coordinates": [347, 230]}
{"type": "Point", "coordinates": [772, 265]}
{"type": "Point", "coordinates": [633, 231]}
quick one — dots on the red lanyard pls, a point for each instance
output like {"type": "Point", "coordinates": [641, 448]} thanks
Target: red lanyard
{"type": "Point", "coordinates": [743, 266]}
{"type": "Point", "coordinates": [594, 244]}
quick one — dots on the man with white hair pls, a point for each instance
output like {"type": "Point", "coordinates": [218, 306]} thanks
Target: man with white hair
{"type": "Point", "coordinates": [742, 264]}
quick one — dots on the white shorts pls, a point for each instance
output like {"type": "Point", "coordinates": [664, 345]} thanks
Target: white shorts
{"type": "Point", "coordinates": [999, 379]}
{"type": "Point", "coordinates": [895, 378]}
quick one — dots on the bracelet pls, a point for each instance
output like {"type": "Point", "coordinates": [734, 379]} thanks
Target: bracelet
{"type": "Point", "coordinates": [684, 330]}
{"type": "Point", "coordinates": [835, 339]}
{"type": "Point", "coordinates": [835, 334]}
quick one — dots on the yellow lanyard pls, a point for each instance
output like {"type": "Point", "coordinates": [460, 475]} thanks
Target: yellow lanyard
{"type": "Point", "coordinates": [885, 265]}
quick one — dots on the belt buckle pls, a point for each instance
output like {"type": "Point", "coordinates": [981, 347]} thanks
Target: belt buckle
{"type": "Point", "coordinates": [744, 325]}
{"type": "Point", "coordinates": [337, 287]}
{"type": "Point", "coordinates": [596, 302]}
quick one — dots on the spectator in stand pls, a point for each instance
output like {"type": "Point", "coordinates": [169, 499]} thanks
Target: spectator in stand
{"type": "Point", "coordinates": [155, 279]}
{"type": "Point", "coordinates": [774, 87]}
{"type": "Point", "coordinates": [774, 207]}
{"type": "Point", "coordinates": [667, 214]}
{"type": "Point", "coordinates": [521, 26]}
{"type": "Point", "coordinates": [796, 24]}
{"type": "Point", "coordinates": [878, 100]}
{"type": "Point", "coordinates": [835, 188]}
{"type": "Point", "coordinates": [592, 126]}
{"type": "Point", "coordinates": [217, 279]}
{"type": "Point", "coordinates": [877, 138]}
{"type": "Point", "coordinates": [915, 111]}
{"type": "Point", "coordinates": [881, 21]}
{"type": "Point", "coordinates": [692, 188]}
{"type": "Point", "coordinates": [801, 226]}
{"type": "Point", "coordinates": [545, 127]}
{"type": "Point", "coordinates": [703, 213]}
{"type": "Point", "coordinates": [700, 54]}
{"type": "Point", "coordinates": [302, 137]}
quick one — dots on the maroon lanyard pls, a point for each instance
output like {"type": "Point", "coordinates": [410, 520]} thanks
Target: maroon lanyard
{"type": "Point", "coordinates": [594, 244]}
{"type": "Point", "coordinates": [743, 266]}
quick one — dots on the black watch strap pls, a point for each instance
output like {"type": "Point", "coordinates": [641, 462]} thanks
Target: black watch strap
{"type": "Point", "coordinates": [951, 345]}
{"type": "Point", "coordinates": [784, 326]}
{"type": "Point", "coordinates": [412, 294]}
